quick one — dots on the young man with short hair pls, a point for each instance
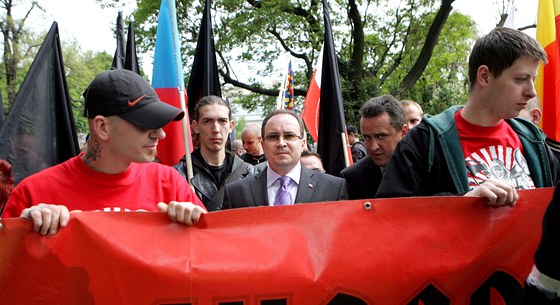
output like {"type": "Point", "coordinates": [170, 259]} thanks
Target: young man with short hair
{"type": "Point", "coordinates": [213, 165]}
{"type": "Point", "coordinates": [480, 149]}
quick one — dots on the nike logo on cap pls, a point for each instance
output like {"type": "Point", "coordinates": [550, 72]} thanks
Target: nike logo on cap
{"type": "Point", "coordinates": [131, 104]}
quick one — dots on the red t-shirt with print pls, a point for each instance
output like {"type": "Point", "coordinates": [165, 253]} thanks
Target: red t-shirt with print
{"type": "Point", "coordinates": [493, 152]}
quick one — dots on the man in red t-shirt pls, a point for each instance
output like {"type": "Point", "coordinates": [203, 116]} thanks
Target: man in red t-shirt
{"type": "Point", "coordinates": [116, 172]}
{"type": "Point", "coordinates": [480, 149]}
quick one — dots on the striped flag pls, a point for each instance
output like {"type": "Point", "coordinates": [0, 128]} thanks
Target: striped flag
{"type": "Point", "coordinates": [168, 81]}
{"type": "Point", "coordinates": [328, 117]}
{"type": "Point", "coordinates": [548, 80]}
{"type": "Point", "coordinates": [310, 112]}
{"type": "Point", "coordinates": [286, 100]}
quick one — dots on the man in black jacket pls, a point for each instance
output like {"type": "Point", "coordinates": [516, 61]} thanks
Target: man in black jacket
{"type": "Point", "coordinates": [383, 124]}
{"type": "Point", "coordinates": [212, 165]}
{"type": "Point", "coordinates": [543, 284]}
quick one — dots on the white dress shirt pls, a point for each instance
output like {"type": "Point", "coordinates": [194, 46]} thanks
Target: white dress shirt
{"type": "Point", "coordinates": [273, 184]}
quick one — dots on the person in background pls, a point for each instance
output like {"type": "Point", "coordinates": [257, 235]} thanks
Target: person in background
{"type": "Point", "coordinates": [481, 149]}
{"type": "Point", "coordinates": [116, 172]}
{"type": "Point", "coordinates": [252, 142]}
{"type": "Point", "coordinates": [383, 124]}
{"type": "Point", "coordinates": [6, 183]}
{"type": "Point", "coordinates": [213, 166]}
{"type": "Point", "coordinates": [237, 147]}
{"type": "Point", "coordinates": [284, 181]}
{"type": "Point", "coordinates": [312, 160]}
{"type": "Point", "coordinates": [533, 113]}
{"type": "Point", "coordinates": [414, 112]}
{"type": "Point", "coordinates": [357, 147]}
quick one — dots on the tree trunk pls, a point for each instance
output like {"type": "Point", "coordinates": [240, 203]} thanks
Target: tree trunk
{"type": "Point", "coordinates": [356, 74]}
{"type": "Point", "coordinates": [12, 33]}
{"type": "Point", "coordinates": [427, 50]}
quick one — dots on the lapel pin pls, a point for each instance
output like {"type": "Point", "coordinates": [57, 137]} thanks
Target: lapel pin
{"type": "Point", "coordinates": [310, 185]}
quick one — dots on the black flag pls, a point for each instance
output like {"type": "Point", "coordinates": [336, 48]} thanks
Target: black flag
{"type": "Point", "coordinates": [131, 60]}
{"type": "Point", "coordinates": [204, 78]}
{"type": "Point", "coordinates": [332, 126]}
{"type": "Point", "coordinates": [118, 59]}
{"type": "Point", "coordinates": [125, 54]}
{"type": "Point", "coordinates": [39, 130]}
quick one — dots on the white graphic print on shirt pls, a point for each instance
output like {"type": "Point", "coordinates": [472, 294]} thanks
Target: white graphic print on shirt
{"type": "Point", "coordinates": [501, 163]}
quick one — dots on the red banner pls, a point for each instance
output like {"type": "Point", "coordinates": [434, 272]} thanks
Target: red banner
{"type": "Point", "coordinates": [437, 250]}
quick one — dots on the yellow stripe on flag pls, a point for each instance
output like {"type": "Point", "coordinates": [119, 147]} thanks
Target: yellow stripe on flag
{"type": "Point", "coordinates": [546, 25]}
{"type": "Point", "coordinates": [548, 80]}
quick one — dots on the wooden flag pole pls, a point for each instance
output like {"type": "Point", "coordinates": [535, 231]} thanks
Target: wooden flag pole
{"type": "Point", "coordinates": [345, 150]}
{"type": "Point", "coordinates": [186, 135]}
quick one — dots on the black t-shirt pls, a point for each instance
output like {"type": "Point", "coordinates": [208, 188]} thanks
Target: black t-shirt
{"type": "Point", "coordinates": [254, 160]}
{"type": "Point", "coordinates": [219, 173]}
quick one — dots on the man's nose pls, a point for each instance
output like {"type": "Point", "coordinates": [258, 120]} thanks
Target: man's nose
{"type": "Point", "coordinates": [374, 145]}
{"type": "Point", "coordinates": [158, 134]}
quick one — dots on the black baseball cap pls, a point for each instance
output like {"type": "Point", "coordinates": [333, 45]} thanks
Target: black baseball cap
{"type": "Point", "coordinates": [126, 94]}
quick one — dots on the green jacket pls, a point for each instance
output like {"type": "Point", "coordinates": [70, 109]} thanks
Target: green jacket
{"type": "Point", "coordinates": [430, 160]}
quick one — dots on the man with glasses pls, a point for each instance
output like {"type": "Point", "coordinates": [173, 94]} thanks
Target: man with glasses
{"type": "Point", "coordinates": [284, 181]}
{"type": "Point", "coordinates": [383, 124]}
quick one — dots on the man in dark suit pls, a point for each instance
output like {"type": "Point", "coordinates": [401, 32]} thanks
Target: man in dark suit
{"type": "Point", "coordinates": [284, 181]}
{"type": "Point", "coordinates": [383, 124]}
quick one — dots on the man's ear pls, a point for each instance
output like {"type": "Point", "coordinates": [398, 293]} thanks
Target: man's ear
{"type": "Point", "coordinates": [101, 127]}
{"type": "Point", "coordinates": [194, 126]}
{"type": "Point", "coordinates": [231, 125]}
{"type": "Point", "coordinates": [536, 115]}
{"type": "Point", "coordinates": [404, 130]}
{"type": "Point", "coordinates": [482, 75]}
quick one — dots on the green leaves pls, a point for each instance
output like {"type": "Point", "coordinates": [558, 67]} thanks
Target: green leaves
{"type": "Point", "coordinates": [251, 35]}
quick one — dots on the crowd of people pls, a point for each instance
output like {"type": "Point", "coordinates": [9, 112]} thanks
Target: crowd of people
{"type": "Point", "coordinates": [490, 147]}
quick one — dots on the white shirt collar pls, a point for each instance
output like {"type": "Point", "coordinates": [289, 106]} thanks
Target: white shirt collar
{"type": "Point", "coordinates": [272, 176]}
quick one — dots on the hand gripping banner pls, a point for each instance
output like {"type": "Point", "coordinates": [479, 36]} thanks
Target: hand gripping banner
{"type": "Point", "coordinates": [436, 250]}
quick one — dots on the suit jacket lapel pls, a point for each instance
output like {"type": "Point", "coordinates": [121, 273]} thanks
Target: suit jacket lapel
{"type": "Point", "coordinates": [307, 185]}
{"type": "Point", "coordinates": [259, 190]}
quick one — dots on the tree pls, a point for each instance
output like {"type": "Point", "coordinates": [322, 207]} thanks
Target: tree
{"type": "Point", "coordinates": [20, 48]}
{"type": "Point", "coordinates": [81, 67]}
{"type": "Point", "coordinates": [503, 9]}
{"type": "Point", "coordinates": [383, 46]}
{"type": "Point", "coordinates": [15, 35]}
{"type": "Point", "coordinates": [445, 80]}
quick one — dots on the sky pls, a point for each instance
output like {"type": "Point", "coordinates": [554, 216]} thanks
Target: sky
{"type": "Point", "coordinates": [486, 13]}
{"type": "Point", "coordinates": [93, 26]}
{"type": "Point", "coordinates": [84, 20]}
